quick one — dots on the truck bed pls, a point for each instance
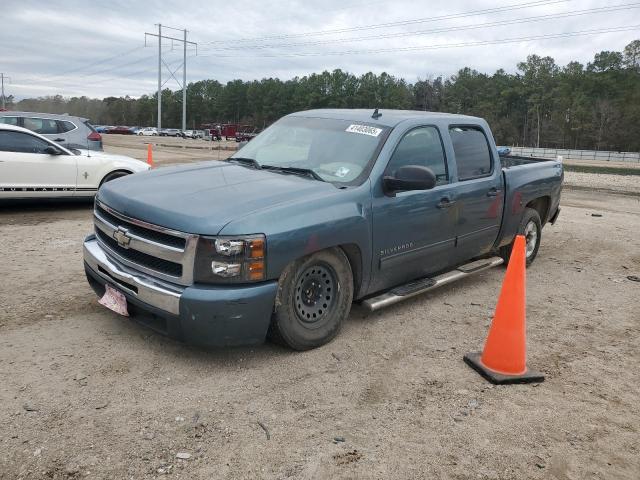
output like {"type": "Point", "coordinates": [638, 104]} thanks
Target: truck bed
{"type": "Point", "coordinates": [515, 160]}
{"type": "Point", "coordinates": [526, 179]}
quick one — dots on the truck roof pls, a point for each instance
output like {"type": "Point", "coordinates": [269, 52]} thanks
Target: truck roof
{"type": "Point", "coordinates": [388, 118]}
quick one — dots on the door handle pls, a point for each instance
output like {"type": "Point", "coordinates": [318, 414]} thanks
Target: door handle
{"type": "Point", "coordinates": [445, 202]}
{"type": "Point", "coordinates": [59, 140]}
{"type": "Point", "coordinates": [493, 192]}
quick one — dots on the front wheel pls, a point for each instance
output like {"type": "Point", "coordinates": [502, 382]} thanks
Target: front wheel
{"type": "Point", "coordinates": [531, 227]}
{"type": "Point", "coordinates": [113, 176]}
{"type": "Point", "coordinates": [314, 298]}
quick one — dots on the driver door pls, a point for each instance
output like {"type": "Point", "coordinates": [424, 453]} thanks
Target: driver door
{"type": "Point", "coordinates": [413, 232]}
{"type": "Point", "coordinates": [28, 171]}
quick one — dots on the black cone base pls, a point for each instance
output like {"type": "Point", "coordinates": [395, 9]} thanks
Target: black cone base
{"type": "Point", "coordinates": [473, 360]}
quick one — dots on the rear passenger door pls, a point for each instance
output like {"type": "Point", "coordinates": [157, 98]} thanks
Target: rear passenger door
{"type": "Point", "coordinates": [47, 127]}
{"type": "Point", "coordinates": [479, 195]}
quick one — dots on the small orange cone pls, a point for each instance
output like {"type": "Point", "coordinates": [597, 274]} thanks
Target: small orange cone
{"type": "Point", "coordinates": [503, 359]}
{"type": "Point", "coordinates": [150, 155]}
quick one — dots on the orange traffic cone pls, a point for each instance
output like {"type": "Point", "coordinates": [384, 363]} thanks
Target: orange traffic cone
{"type": "Point", "coordinates": [150, 155]}
{"type": "Point", "coordinates": [503, 359]}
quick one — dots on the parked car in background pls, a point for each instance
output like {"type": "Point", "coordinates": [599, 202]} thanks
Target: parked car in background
{"type": "Point", "coordinates": [193, 134]}
{"type": "Point", "coordinates": [170, 132]}
{"type": "Point", "coordinates": [103, 128]}
{"type": "Point", "coordinates": [35, 167]}
{"type": "Point", "coordinates": [121, 130]}
{"type": "Point", "coordinates": [69, 131]}
{"type": "Point", "coordinates": [148, 131]}
{"type": "Point", "coordinates": [503, 151]}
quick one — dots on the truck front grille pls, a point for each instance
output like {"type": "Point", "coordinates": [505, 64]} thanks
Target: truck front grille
{"type": "Point", "coordinates": [158, 251]}
{"type": "Point", "coordinates": [154, 263]}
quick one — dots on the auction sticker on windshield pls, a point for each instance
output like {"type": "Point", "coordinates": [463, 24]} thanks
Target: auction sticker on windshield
{"type": "Point", "coordinates": [364, 130]}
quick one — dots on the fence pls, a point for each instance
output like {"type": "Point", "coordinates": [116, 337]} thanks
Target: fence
{"type": "Point", "coordinates": [587, 155]}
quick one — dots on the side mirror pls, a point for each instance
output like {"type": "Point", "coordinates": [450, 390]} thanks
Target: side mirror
{"type": "Point", "coordinates": [410, 177]}
{"type": "Point", "coordinates": [51, 150]}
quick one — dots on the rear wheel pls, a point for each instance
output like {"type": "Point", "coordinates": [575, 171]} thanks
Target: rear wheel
{"type": "Point", "coordinates": [531, 228]}
{"type": "Point", "coordinates": [314, 298]}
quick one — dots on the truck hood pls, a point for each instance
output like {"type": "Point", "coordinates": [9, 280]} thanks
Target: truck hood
{"type": "Point", "coordinates": [203, 197]}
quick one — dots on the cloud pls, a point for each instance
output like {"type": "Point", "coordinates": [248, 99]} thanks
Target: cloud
{"type": "Point", "coordinates": [97, 48]}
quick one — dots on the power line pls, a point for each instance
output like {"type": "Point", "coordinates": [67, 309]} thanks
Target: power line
{"type": "Point", "coordinates": [88, 65]}
{"type": "Point", "coordinates": [518, 6]}
{"type": "Point", "coordinates": [441, 46]}
{"type": "Point", "coordinates": [539, 18]}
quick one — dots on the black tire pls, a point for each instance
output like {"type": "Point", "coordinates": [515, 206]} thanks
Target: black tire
{"type": "Point", "coordinates": [530, 219]}
{"type": "Point", "coordinates": [113, 176]}
{"type": "Point", "coordinates": [314, 298]}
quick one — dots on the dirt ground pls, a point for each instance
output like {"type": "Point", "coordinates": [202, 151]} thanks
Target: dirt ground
{"type": "Point", "coordinates": [88, 394]}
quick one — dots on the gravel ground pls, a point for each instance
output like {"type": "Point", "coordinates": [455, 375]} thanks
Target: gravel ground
{"type": "Point", "coordinates": [88, 394]}
{"type": "Point", "coordinates": [626, 183]}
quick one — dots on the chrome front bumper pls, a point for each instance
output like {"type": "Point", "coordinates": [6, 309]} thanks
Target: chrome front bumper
{"type": "Point", "coordinates": [146, 289]}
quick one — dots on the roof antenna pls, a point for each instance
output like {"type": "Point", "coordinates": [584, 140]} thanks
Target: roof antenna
{"type": "Point", "coordinates": [376, 115]}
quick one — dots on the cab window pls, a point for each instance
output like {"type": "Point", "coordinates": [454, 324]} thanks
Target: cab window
{"type": "Point", "coordinates": [473, 157]}
{"type": "Point", "coordinates": [19, 142]}
{"type": "Point", "coordinates": [421, 146]}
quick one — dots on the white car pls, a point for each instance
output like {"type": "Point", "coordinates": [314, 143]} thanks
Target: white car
{"type": "Point", "coordinates": [32, 166]}
{"type": "Point", "coordinates": [148, 131]}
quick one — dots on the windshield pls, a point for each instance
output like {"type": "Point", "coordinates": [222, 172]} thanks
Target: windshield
{"type": "Point", "coordinates": [337, 151]}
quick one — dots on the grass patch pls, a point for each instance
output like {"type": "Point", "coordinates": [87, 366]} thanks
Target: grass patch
{"type": "Point", "coordinates": [600, 169]}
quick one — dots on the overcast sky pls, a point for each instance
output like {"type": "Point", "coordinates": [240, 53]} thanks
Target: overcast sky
{"type": "Point", "coordinates": [75, 47]}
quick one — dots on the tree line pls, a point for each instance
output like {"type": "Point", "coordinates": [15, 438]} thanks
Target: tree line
{"type": "Point", "coordinates": [593, 106]}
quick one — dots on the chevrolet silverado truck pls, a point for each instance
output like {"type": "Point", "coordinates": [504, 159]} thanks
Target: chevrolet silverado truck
{"type": "Point", "coordinates": [323, 208]}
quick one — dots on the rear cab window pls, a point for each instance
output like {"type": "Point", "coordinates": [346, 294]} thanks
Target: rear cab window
{"type": "Point", "coordinates": [473, 155]}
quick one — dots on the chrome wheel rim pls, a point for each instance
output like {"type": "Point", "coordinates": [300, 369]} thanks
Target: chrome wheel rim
{"type": "Point", "coordinates": [531, 237]}
{"type": "Point", "coordinates": [315, 294]}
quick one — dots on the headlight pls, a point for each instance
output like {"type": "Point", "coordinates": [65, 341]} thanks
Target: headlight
{"type": "Point", "coordinates": [235, 259]}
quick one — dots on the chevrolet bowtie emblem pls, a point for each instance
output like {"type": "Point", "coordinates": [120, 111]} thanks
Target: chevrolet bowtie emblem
{"type": "Point", "coordinates": [121, 235]}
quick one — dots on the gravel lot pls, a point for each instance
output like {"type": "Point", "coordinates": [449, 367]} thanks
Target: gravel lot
{"type": "Point", "coordinates": [88, 394]}
{"type": "Point", "coordinates": [603, 181]}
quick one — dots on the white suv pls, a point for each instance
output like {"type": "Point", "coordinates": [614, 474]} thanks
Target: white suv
{"type": "Point", "coordinates": [149, 131]}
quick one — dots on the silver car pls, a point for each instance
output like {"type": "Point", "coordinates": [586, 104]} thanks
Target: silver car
{"type": "Point", "coordinates": [68, 131]}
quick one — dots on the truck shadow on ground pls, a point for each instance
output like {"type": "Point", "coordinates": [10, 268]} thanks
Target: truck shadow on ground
{"type": "Point", "coordinates": [361, 323]}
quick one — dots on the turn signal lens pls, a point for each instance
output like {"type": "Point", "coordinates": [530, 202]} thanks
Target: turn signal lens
{"type": "Point", "coordinates": [256, 248]}
{"type": "Point", "coordinates": [256, 271]}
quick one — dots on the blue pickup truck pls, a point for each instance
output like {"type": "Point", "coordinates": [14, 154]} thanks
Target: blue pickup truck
{"type": "Point", "coordinates": [323, 208]}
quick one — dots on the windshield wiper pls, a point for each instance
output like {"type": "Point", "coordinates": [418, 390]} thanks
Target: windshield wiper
{"type": "Point", "coordinates": [295, 171]}
{"type": "Point", "coordinates": [245, 161]}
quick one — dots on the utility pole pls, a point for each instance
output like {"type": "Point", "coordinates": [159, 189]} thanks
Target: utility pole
{"type": "Point", "coordinates": [159, 77]}
{"type": "Point", "coordinates": [184, 82]}
{"type": "Point", "coordinates": [2, 78]}
{"type": "Point", "coordinates": [184, 70]}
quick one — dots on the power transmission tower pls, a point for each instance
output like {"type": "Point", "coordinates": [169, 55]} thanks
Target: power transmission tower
{"type": "Point", "coordinates": [2, 79]}
{"type": "Point", "coordinates": [184, 70]}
